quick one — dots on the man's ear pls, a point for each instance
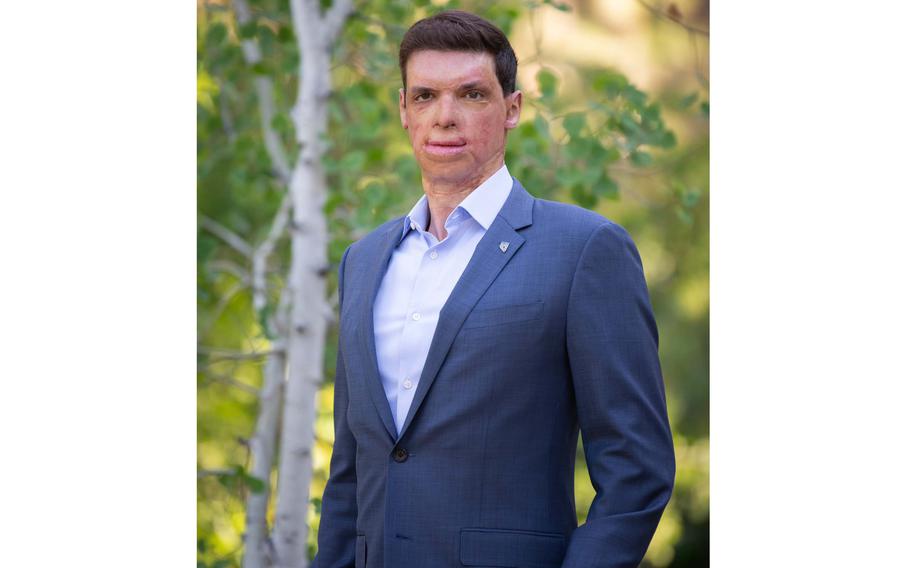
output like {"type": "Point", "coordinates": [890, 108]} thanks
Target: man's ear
{"type": "Point", "coordinates": [513, 110]}
{"type": "Point", "coordinates": [401, 109]}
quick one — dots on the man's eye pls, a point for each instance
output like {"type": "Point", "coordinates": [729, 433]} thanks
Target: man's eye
{"type": "Point", "coordinates": [422, 97]}
{"type": "Point", "coordinates": [475, 95]}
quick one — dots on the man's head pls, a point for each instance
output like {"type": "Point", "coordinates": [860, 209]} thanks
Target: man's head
{"type": "Point", "coordinates": [459, 96]}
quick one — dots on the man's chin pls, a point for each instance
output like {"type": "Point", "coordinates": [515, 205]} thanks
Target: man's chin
{"type": "Point", "coordinates": [450, 178]}
{"type": "Point", "coordinates": [446, 170]}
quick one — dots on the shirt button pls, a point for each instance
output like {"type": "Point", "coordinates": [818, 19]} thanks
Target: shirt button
{"type": "Point", "coordinates": [433, 254]}
{"type": "Point", "coordinates": [415, 316]}
{"type": "Point", "coordinates": [408, 384]}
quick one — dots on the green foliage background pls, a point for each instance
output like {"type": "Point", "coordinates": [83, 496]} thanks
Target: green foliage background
{"type": "Point", "coordinates": [588, 136]}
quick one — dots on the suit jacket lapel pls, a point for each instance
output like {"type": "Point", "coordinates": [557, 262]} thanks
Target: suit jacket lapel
{"type": "Point", "coordinates": [373, 278]}
{"type": "Point", "coordinates": [483, 268]}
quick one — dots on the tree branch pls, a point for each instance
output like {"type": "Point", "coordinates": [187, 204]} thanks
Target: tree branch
{"type": "Point", "coordinates": [228, 380]}
{"type": "Point", "coordinates": [214, 472]}
{"type": "Point", "coordinates": [228, 236]}
{"type": "Point", "coordinates": [260, 549]}
{"type": "Point", "coordinates": [264, 250]}
{"type": "Point", "coordinates": [222, 305]}
{"type": "Point", "coordinates": [227, 120]}
{"type": "Point", "coordinates": [334, 19]}
{"type": "Point", "coordinates": [698, 73]}
{"type": "Point", "coordinates": [223, 354]}
{"type": "Point", "coordinates": [664, 14]}
{"type": "Point", "coordinates": [264, 93]}
{"type": "Point", "coordinates": [229, 267]}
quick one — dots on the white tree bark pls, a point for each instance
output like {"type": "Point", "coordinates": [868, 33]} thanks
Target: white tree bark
{"type": "Point", "coordinates": [258, 551]}
{"type": "Point", "coordinates": [309, 310]}
{"type": "Point", "coordinates": [294, 367]}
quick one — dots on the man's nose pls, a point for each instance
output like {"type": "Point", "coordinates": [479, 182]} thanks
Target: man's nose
{"type": "Point", "coordinates": [446, 112]}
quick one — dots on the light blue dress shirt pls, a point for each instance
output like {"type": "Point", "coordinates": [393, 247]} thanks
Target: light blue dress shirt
{"type": "Point", "coordinates": [421, 274]}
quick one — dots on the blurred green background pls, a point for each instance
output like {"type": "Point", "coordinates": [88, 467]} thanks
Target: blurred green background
{"type": "Point", "coordinates": [615, 119]}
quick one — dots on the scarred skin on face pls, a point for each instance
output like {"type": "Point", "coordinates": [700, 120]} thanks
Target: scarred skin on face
{"type": "Point", "coordinates": [457, 118]}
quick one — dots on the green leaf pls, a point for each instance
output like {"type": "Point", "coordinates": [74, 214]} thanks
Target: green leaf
{"type": "Point", "coordinates": [628, 126]}
{"type": "Point", "coordinates": [690, 197]}
{"type": "Point", "coordinates": [684, 216]}
{"type": "Point", "coordinates": [317, 504]}
{"type": "Point", "coordinates": [582, 196]}
{"type": "Point", "coordinates": [248, 30]}
{"type": "Point", "coordinates": [216, 34]}
{"type": "Point", "coordinates": [334, 199]}
{"type": "Point", "coordinates": [376, 155]}
{"type": "Point", "coordinates": [285, 34]}
{"type": "Point", "coordinates": [610, 82]}
{"type": "Point", "coordinates": [606, 187]}
{"type": "Point", "coordinates": [547, 81]}
{"type": "Point", "coordinates": [704, 108]}
{"type": "Point", "coordinates": [206, 246]}
{"type": "Point", "coordinates": [687, 101]}
{"type": "Point", "coordinates": [542, 127]}
{"type": "Point", "coordinates": [526, 130]}
{"type": "Point", "coordinates": [374, 193]}
{"type": "Point", "coordinates": [590, 175]}
{"type": "Point", "coordinates": [666, 140]}
{"type": "Point", "coordinates": [611, 155]}
{"type": "Point", "coordinates": [571, 176]}
{"type": "Point", "coordinates": [282, 123]}
{"type": "Point", "coordinates": [562, 7]}
{"type": "Point", "coordinates": [578, 147]}
{"type": "Point", "coordinates": [634, 96]}
{"type": "Point", "coordinates": [254, 484]}
{"type": "Point", "coordinates": [640, 158]}
{"type": "Point", "coordinates": [353, 161]}
{"type": "Point", "coordinates": [573, 123]}
{"type": "Point", "coordinates": [529, 147]}
{"type": "Point", "coordinates": [651, 112]}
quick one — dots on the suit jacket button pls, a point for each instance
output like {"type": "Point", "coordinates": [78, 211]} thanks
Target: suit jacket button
{"type": "Point", "coordinates": [400, 455]}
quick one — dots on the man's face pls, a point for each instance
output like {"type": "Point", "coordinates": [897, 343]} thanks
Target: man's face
{"type": "Point", "coordinates": [456, 115]}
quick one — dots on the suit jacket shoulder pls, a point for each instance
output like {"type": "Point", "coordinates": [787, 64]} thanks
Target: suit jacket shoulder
{"type": "Point", "coordinates": [575, 222]}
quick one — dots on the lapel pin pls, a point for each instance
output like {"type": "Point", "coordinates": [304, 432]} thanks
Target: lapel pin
{"type": "Point", "coordinates": [503, 246]}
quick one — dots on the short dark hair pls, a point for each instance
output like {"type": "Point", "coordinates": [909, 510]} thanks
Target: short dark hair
{"type": "Point", "coordinates": [454, 30]}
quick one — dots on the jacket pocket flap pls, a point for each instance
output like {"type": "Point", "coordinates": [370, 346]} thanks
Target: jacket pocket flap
{"type": "Point", "coordinates": [504, 314]}
{"type": "Point", "coordinates": [511, 548]}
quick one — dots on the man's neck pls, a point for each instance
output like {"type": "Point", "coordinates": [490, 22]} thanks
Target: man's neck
{"type": "Point", "coordinates": [444, 196]}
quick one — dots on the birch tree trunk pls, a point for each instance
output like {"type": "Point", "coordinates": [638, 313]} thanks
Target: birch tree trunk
{"type": "Point", "coordinates": [257, 549]}
{"type": "Point", "coordinates": [309, 310]}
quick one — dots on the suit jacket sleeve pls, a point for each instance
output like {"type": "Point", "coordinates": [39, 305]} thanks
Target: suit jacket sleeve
{"type": "Point", "coordinates": [612, 346]}
{"type": "Point", "coordinates": [337, 525]}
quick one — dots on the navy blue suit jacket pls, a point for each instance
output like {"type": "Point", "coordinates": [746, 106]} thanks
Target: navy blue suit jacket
{"type": "Point", "coordinates": [552, 335]}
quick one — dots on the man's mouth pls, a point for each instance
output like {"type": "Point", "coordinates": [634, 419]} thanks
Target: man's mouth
{"type": "Point", "coordinates": [444, 147]}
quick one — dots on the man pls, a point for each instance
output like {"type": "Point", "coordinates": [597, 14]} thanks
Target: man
{"type": "Point", "coordinates": [478, 334]}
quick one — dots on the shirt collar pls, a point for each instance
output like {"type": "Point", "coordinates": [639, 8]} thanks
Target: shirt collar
{"type": "Point", "coordinates": [482, 204]}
